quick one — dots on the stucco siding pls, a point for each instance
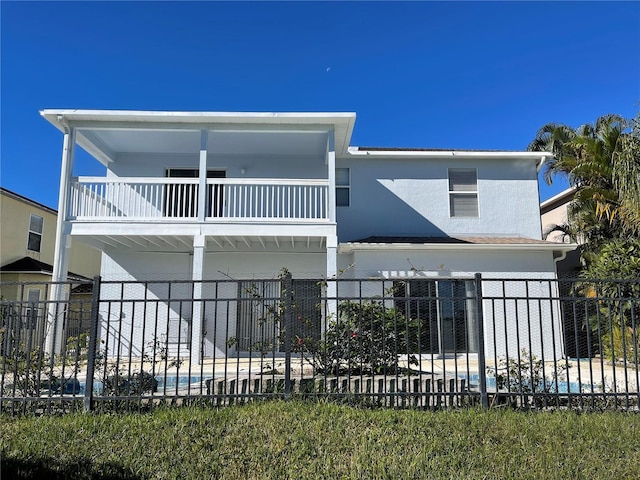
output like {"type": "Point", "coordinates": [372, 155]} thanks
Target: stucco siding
{"type": "Point", "coordinates": [410, 197]}
{"type": "Point", "coordinates": [517, 313]}
{"type": "Point", "coordinates": [255, 166]}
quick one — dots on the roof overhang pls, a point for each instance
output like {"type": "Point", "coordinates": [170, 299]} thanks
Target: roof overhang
{"type": "Point", "coordinates": [91, 124]}
{"type": "Point", "coordinates": [350, 247]}
{"type": "Point", "coordinates": [71, 277]}
{"type": "Point", "coordinates": [559, 199]}
{"type": "Point", "coordinates": [538, 157]}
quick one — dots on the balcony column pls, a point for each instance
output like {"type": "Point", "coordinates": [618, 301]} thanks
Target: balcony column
{"type": "Point", "coordinates": [62, 250]}
{"type": "Point", "coordinates": [331, 175]}
{"type": "Point", "coordinates": [332, 277]}
{"type": "Point", "coordinates": [197, 320]}
{"type": "Point", "coordinates": [202, 175]}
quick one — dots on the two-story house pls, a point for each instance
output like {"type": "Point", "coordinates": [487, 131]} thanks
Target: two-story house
{"type": "Point", "coordinates": [219, 195]}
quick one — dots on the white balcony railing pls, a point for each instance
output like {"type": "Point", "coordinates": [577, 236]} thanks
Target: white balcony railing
{"type": "Point", "coordinates": [227, 199]}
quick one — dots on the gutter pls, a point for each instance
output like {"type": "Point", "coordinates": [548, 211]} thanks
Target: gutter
{"type": "Point", "coordinates": [542, 156]}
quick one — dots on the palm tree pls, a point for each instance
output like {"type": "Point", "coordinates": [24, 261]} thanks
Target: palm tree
{"type": "Point", "coordinates": [626, 177]}
{"type": "Point", "coordinates": [589, 157]}
{"type": "Point", "coordinates": [555, 138]}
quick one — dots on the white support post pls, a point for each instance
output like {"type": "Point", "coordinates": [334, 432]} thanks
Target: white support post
{"type": "Point", "coordinates": [202, 189]}
{"type": "Point", "coordinates": [331, 170]}
{"type": "Point", "coordinates": [332, 277]}
{"type": "Point", "coordinates": [199, 243]}
{"type": "Point", "coordinates": [56, 310]}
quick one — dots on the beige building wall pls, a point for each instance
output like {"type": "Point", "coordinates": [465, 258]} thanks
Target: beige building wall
{"type": "Point", "coordinates": [554, 212]}
{"type": "Point", "coordinates": [15, 214]}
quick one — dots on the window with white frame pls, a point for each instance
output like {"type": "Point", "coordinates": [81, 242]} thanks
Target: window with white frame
{"type": "Point", "coordinates": [343, 187]}
{"type": "Point", "coordinates": [463, 192]}
{"type": "Point", "coordinates": [36, 224]}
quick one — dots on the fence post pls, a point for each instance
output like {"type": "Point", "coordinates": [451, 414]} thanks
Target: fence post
{"type": "Point", "coordinates": [93, 345]}
{"type": "Point", "coordinates": [482, 368]}
{"type": "Point", "coordinates": [288, 325]}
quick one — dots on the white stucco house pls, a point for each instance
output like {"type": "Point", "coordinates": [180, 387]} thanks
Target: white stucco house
{"type": "Point", "coordinates": [219, 195]}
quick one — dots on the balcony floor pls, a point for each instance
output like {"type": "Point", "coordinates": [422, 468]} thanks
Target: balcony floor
{"type": "Point", "coordinates": [214, 243]}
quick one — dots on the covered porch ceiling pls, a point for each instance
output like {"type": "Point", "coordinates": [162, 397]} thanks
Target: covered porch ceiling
{"type": "Point", "coordinates": [108, 134]}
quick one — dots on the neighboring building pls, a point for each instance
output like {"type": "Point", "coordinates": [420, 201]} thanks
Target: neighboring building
{"type": "Point", "coordinates": [553, 212]}
{"type": "Point", "coordinates": [210, 195]}
{"type": "Point", "coordinates": [27, 241]}
{"type": "Point", "coordinates": [27, 246]}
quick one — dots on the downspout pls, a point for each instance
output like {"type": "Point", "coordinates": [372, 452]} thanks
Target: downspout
{"type": "Point", "coordinates": [563, 255]}
{"type": "Point", "coordinates": [542, 162]}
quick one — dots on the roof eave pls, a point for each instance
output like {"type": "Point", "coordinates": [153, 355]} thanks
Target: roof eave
{"type": "Point", "coordinates": [554, 247]}
{"type": "Point", "coordinates": [538, 156]}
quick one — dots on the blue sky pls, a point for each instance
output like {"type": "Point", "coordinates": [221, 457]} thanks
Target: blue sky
{"type": "Point", "coordinates": [418, 74]}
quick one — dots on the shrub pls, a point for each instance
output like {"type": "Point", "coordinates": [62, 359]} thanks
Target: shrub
{"type": "Point", "coordinates": [137, 383]}
{"type": "Point", "coordinates": [527, 375]}
{"type": "Point", "coordinates": [619, 346]}
{"type": "Point", "coordinates": [366, 337]}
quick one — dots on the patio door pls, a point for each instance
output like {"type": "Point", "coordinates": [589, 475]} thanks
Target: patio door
{"type": "Point", "coordinates": [445, 314]}
{"type": "Point", "coordinates": [260, 310]}
{"type": "Point", "coordinates": [182, 200]}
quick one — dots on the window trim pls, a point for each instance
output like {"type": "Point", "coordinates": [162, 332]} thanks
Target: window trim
{"type": "Point", "coordinates": [40, 234]}
{"type": "Point", "coordinates": [469, 193]}
{"type": "Point", "coordinates": [346, 187]}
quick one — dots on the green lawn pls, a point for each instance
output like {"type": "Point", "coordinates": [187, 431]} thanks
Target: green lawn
{"type": "Point", "coordinates": [322, 440]}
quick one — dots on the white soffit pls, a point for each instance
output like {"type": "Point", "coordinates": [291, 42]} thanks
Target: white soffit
{"type": "Point", "coordinates": [105, 133]}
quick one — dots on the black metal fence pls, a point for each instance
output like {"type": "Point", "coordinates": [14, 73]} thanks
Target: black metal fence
{"type": "Point", "coordinates": [420, 342]}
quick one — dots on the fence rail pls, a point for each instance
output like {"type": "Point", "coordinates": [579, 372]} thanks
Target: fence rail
{"type": "Point", "coordinates": [415, 342]}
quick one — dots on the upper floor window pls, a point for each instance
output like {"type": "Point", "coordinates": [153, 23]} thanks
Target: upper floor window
{"type": "Point", "coordinates": [34, 241]}
{"type": "Point", "coordinates": [343, 187]}
{"type": "Point", "coordinates": [463, 192]}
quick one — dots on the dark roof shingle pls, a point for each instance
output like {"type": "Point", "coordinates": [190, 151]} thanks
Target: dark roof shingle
{"type": "Point", "coordinates": [31, 265]}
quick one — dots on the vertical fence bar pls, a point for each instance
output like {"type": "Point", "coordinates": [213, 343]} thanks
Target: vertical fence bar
{"type": "Point", "coordinates": [93, 343]}
{"type": "Point", "coordinates": [288, 325]}
{"type": "Point", "coordinates": [482, 369]}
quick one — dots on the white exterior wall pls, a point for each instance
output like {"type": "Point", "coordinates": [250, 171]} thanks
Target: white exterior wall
{"type": "Point", "coordinates": [409, 196]}
{"type": "Point", "coordinates": [534, 324]}
{"type": "Point", "coordinates": [129, 319]}
{"type": "Point", "coordinates": [255, 166]}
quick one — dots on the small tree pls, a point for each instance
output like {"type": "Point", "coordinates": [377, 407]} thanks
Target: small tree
{"type": "Point", "coordinates": [617, 315]}
{"type": "Point", "coordinates": [365, 338]}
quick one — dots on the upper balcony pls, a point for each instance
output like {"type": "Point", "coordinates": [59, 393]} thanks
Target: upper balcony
{"type": "Point", "coordinates": [176, 200]}
{"type": "Point", "coordinates": [290, 158]}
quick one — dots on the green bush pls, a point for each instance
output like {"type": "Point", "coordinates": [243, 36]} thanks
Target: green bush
{"type": "Point", "coordinates": [527, 375]}
{"type": "Point", "coordinates": [365, 338]}
{"type": "Point", "coordinates": [619, 346]}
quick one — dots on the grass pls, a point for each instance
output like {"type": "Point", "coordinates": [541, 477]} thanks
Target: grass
{"type": "Point", "coordinates": [277, 440]}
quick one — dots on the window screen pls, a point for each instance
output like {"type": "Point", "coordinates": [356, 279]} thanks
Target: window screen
{"type": "Point", "coordinates": [463, 192]}
{"type": "Point", "coordinates": [343, 186]}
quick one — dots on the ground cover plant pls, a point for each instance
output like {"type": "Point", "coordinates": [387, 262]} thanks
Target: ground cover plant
{"type": "Point", "coordinates": [306, 440]}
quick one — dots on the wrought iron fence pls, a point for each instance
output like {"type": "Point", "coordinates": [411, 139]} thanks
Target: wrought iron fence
{"type": "Point", "coordinates": [420, 342]}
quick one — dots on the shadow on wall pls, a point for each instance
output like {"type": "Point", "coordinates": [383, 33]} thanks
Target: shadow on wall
{"type": "Point", "coordinates": [396, 216]}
